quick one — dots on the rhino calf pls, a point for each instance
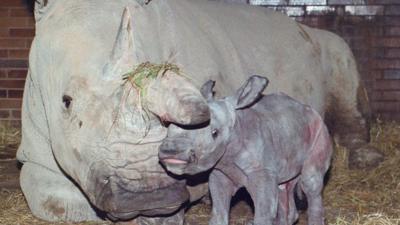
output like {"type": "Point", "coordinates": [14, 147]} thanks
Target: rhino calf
{"type": "Point", "coordinates": [265, 143]}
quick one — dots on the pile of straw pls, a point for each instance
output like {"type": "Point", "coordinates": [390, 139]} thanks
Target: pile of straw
{"type": "Point", "coordinates": [14, 211]}
{"type": "Point", "coordinates": [10, 136]}
{"type": "Point", "coordinates": [353, 194]}
{"type": "Point", "coordinates": [351, 197]}
{"type": "Point", "coordinates": [369, 219]}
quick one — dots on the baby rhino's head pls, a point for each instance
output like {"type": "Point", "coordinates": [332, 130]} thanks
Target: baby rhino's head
{"type": "Point", "coordinates": [195, 149]}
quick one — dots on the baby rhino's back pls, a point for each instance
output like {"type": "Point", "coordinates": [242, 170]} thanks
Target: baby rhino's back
{"type": "Point", "coordinates": [289, 129]}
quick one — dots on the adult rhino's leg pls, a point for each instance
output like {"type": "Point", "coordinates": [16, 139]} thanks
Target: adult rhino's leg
{"type": "Point", "coordinates": [347, 120]}
{"type": "Point", "coordinates": [53, 197]}
{"type": "Point", "coordinates": [348, 113]}
{"type": "Point", "coordinates": [351, 126]}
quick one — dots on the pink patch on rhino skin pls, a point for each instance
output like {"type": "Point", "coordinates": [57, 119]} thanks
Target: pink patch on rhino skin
{"type": "Point", "coordinates": [174, 161]}
{"type": "Point", "coordinates": [165, 118]}
{"type": "Point", "coordinates": [311, 131]}
{"type": "Point", "coordinates": [321, 142]}
{"type": "Point", "coordinates": [320, 152]}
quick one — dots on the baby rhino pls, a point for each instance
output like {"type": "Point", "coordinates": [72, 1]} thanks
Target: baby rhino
{"type": "Point", "coordinates": [265, 143]}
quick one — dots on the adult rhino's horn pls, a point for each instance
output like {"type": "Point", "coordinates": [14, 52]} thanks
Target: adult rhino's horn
{"type": "Point", "coordinates": [126, 51]}
{"type": "Point", "coordinates": [175, 99]}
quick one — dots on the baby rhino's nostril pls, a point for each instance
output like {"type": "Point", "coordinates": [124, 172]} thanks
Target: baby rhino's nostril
{"type": "Point", "coordinates": [170, 151]}
{"type": "Point", "coordinates": [192, 156]}
{"type": "Point", "coordinates": [168, 148]}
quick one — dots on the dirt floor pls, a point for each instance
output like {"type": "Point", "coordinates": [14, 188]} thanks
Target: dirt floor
{"type": "Point", "coordinates": [351, 197]}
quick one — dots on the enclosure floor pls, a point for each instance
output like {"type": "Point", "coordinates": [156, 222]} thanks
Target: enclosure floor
{"type": "Point", "coordinates": [351, 197]}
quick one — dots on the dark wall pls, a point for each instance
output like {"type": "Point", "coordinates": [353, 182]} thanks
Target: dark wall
{"type": "Point", "coordinates": [16, 34]}
{"type": "Point", "coordinates": [372, 30]}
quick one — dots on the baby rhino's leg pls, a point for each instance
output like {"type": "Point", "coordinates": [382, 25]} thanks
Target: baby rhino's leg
{"type": "Point", "coordinates": [313, 172]}
{"type": "Point", "coordinates": [221, 189]}
{"type": "Point", "coordinates": [263, 189]}
{"type": "Point", "coordinates": [287, 212]}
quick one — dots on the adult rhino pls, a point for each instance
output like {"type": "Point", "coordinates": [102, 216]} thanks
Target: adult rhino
{"type": "Point", "coordinates": [86, 144]}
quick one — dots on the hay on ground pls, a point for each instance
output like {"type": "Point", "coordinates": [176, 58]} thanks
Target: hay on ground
{"type": "Point", "coordinates": [10, 136]}
{"type": "Point", "coordinates": [355, 195]}
{"type": "Point", "coordinates": [351, 197]}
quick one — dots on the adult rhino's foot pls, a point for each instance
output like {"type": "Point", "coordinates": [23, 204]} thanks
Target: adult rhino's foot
{"type": "Point", "coordinates": [362, 155]}
{"type": "Point", "coordinates": [365, 157]}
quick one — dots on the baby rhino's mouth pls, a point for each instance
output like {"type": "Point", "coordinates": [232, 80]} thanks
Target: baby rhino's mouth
{"type": "Point", "coordinates": [179, 159]}
{"type": "Point", "coordinates": [174, 165]}
{"type": "Point", "coordinates": [175, 162]}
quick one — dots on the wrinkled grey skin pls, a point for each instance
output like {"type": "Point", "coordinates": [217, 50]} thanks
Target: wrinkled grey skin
{"type": "Point", "coordinates": [263, 143]}
{"type": "Point", "coordinates": [82, 120]}
{"type": "Point", "coordinates": [85, 142]}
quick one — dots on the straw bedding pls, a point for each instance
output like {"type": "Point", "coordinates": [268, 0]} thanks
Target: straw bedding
{"type": "Point", "coordinates": [10, 138]}
{"type": "Point", "coordinates": [351, 197]}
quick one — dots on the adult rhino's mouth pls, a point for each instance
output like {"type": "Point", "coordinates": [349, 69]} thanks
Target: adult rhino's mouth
{"type": "Point", "coordinates": [122, 204]}
{"type": "Point", "coordinates": [139, 186]}
{"type": "Point", "coordinates": [152, 212]}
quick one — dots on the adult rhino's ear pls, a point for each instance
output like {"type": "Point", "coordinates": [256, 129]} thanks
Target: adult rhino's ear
{"type": "Point", "coordinates": [126, 52]}
{"type": "Point", "coordinates": [249, 93]}
{"type": "Point", "coordinates": [143, 2]}
{"type": "Point", "coordinates": [41, 7]}
{"type": "Point", "coordinates": [207, 90]}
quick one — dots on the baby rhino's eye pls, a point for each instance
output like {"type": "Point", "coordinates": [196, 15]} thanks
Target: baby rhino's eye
{"type": "Point", "coordinates": [214, 133]}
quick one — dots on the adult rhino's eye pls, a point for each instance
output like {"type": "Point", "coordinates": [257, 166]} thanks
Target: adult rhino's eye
{"type": "Point", "coordinates": [67, 101]}
{"type": "Point", "coordinates": [214, 133]}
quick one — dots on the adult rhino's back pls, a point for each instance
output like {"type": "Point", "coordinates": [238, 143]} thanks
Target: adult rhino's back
{"type": "Point", "coordinates": [230, 42]}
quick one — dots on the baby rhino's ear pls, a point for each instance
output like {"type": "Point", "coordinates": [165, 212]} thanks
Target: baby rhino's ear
{"type": "Point", "coordinates": [249, 93]}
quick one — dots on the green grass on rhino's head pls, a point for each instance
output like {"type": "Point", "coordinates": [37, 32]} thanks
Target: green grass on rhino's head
{"type": "Point", "coordinates": [145, 72]}
{"type": "Point", "coordinates": [141, 76]}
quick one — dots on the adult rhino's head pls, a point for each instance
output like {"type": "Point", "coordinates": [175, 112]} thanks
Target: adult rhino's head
{"type": "Point", "coordinates": [99, 133]}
